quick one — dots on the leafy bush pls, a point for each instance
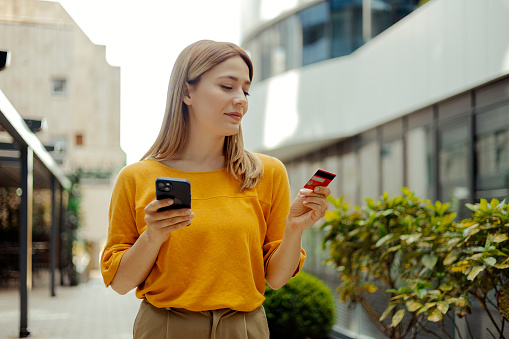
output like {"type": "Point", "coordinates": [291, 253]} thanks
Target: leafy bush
{"type": "Point", "coordinates": [303, 308]}
{"type": "Point", "coordinates": [426, 264]}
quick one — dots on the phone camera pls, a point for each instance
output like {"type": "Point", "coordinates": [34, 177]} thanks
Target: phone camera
{"type": "Point", "coordinates": [165, 186]}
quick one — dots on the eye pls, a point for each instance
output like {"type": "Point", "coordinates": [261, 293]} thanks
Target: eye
{"type": "Point", "coordinates": [227, 87]}
{"type": "Point", "coordinates": [246, 94]}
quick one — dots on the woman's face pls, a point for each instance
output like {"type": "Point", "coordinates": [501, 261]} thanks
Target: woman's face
{"type": "Point", "coordinates": [218, 102]}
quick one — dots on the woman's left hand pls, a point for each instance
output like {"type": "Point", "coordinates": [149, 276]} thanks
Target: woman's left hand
{"type": "Point", "coordinates": [308, 207]}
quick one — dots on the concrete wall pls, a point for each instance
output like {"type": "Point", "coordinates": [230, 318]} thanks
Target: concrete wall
{"type": "Point", "coordinates": [46, 44]}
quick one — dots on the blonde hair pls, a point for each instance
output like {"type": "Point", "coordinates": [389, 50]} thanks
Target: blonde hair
{"type": "Point", "coordinates": [193, 61]}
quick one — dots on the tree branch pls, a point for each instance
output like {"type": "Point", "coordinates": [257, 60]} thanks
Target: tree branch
{"type": "Point", "coordinates": [428, 330]}
{"type": "Point", "coordinates": [442, 328]}
{"type": "Point", "coordinates": [482, 302]}
{"type": "Point", "coordinates": [448, 315]}
{"type": "Point", "coordinates": [374, 318]}
{"type": "Point", "coordinates": [469, 329]}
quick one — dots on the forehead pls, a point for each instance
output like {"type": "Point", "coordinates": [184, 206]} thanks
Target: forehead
{"type": "Point", "coordinates": [234, 67]}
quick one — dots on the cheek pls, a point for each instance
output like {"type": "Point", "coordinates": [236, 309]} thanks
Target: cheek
{"type": "Point", "coordinates": [215, 97]}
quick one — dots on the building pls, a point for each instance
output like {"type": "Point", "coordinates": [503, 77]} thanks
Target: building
{"type": "Point", "coordinates": [60, 79]}
{"type": "Point", "coordinates": [385, 97]}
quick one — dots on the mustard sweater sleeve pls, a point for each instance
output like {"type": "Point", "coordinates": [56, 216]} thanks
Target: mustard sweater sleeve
{"type": "Point", "coordinates": [122, 231]}
{"type": "Point", "coordinates": [280, 205]}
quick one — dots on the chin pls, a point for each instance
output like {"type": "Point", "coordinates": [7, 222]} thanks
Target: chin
{"type": "Point", "coordinates": [231, 131]}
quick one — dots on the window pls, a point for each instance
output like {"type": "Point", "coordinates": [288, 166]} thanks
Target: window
{"type": "Point", "coordinates": [454, 164]}
{"type": "Point", "coordinates": [79, 139]}
{"type": "Point", "coordinates": [346, 26]}
{"type": "Point", "coordinates": [492, 149]}
{"type": "Point", "coordinates": [349, 173]}
{"type": "Point", "coordinates": [58, 86]}
{"type": "Point", "coordinates": [386, 13]}
{"type": "Point", "coordinates": [392, 157]}
{"type": "Point", "coordinates": [315, 42]}
{"type": "Point", "coordinates": [369, 158]}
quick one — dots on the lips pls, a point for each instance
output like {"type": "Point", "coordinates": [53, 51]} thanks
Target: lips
{"type": "Point", "coordinates": [235, 115]}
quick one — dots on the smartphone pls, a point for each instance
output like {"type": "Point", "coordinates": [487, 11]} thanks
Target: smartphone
{"type": "Point", "coordinates": [320, 178]}
{"type": "Point", "coordinates": [174, 188]}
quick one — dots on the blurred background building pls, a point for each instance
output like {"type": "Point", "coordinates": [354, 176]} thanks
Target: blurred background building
{"type": "Point", "coordinates": [60, 81]}
{"type": "Point", "coordinates": [385, 94]}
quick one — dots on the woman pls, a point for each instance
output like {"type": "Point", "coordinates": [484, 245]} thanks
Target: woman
{"type": "Point", "coordinates": [201, 273]}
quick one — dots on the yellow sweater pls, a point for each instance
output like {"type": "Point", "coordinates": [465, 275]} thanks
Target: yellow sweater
{"type": "Point", "coordinates": [219, 261]}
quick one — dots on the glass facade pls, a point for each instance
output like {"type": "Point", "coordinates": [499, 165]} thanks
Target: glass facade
{"type": "Point", "coordinates": [453, 163]}
{"type": "Point", "coordinates": [328, 29]}
{"type": "Point", "coordinates": [492, 149]}
{"type": "Point", "coordinates": [454, 151]}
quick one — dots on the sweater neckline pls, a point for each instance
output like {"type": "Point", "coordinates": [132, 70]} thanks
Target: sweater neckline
{"type": "Point", "coordinates": [186, 172]}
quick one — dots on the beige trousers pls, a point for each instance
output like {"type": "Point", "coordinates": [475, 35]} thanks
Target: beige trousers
{"type": "Point", "coordinates": [177, 323]}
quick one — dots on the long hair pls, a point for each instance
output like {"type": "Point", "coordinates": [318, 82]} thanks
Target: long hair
{"type": "Point", "coordinates": [191, 64]}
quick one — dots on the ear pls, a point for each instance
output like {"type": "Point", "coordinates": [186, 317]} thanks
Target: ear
{"type": "Point", "coordinates": [187, 94]}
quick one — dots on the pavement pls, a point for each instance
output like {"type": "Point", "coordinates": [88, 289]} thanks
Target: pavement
{"type": "Point", "coordinates": [87, 311]}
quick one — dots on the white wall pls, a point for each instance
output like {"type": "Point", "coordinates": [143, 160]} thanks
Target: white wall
{"type": "Point", "coordinates": [258, 12]}
{"type": "Point", "coordinates": [439, 50]}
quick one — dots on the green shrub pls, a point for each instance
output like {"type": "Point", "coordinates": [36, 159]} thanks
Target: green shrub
{"type": "Point", "coordinates": [303, 308]}
{"type": "Point", "coordinates": [424, 265]}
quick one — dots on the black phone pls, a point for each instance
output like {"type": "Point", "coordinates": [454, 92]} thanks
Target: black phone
{"type": "Point", "coordinates": [174, 188]}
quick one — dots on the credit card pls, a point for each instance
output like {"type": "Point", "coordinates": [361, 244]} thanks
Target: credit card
{"type": "Point", "coordinates": [320, 178]}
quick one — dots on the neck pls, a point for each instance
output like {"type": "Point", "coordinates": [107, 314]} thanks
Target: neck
{"type": "Point", "coordinates": [199, 155]}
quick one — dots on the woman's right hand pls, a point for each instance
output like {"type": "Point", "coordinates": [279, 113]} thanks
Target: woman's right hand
{"type": "Point", "coordinates": [161, 223]}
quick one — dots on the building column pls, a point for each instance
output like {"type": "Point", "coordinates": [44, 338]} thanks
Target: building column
{"type": "Point", "coordinates": [25, 237]}
{"type": "Point", "coordinates": [367, 30]}
{"type": "Point", "coordinates": [54, 232]}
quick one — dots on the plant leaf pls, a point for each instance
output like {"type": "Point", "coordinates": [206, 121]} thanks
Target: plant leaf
{"type": "Point", "coordinates": [443, 306]}
{"type": "Point", "coordinates": [450, 258]}
{"type": "Point", "coordinates": [472, 207]}
{"type": "Point", "coordinates": [490, 261]}
{"type": "Point", "coordinates": [462, 266]}
{"type": "Point", "coordinates": [494, 203]}
{"type": "Point", "coordinates": [426, 307]}
{"type": "Point", "coordinates": [383, 240]}
{"type": "Point", "coordinates": [398, 316]}
{"type": "Point", "coordinates": [421, 292]}
{"type": "Point", "coordinates": [475, 272]}
{"type": "Point", "coordinates": [413, 306]}
{"type": "Point", "coordinates": [436, 316]}
{"type": "Point", "coordinates": [471, 230]}
{"type": "Point", "coordinates": [370, 288]}
{"type": "Point", "coordinates": [429, 261]}
{"type": "Point", "coordinates": [387, 311]}
{"type": "Point", "coordinates": [503, 265]}
{"type": "Point", "coordinates": [500, 238]}
{"type": "Point", "coordinates": [410, 238]}
{"type": "Point", "coordinates": [503, 302]}
{"type": "Point", "coordinates": [474, 249]}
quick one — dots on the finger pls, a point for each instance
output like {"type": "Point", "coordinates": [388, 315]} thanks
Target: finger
{"type": "Point", "coordinates": [316, 203]}
{"type": "Point", "coordinates": [172, 216]}
{"type": "Point", "coordinates": [179, 225]}
{"type": "Point", "coordinates": [323, 190]}
{"type": "Point", "coordinates": [172, 223]}
{"type": "Point", "coordinates": [175, 213]}
{"type": "Point", "coordinates": [157, 204]}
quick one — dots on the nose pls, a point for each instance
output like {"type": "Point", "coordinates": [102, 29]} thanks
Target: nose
{"type": "Point", "coordinates": [240, 99]}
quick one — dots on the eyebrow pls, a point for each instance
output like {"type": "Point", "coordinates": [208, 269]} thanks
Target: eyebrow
{"type": "Point", "coordinates": [234, 79]}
